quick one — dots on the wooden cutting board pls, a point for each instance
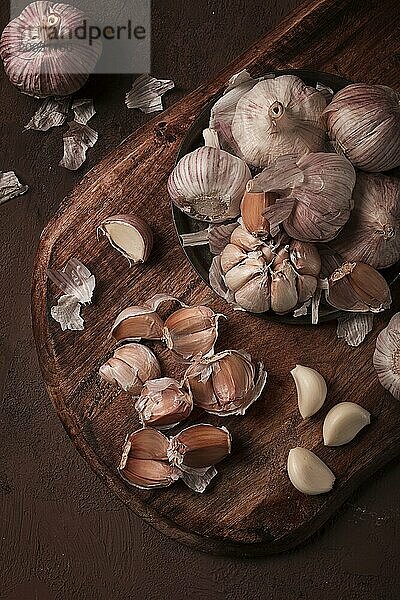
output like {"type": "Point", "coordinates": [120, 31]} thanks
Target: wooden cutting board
{"type": "Point", "coordinates": [251, 508]}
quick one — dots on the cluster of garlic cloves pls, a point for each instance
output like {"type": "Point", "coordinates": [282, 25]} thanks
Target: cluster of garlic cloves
{"type": "Point", "coordinates": [151, 460]}
{"type": "Point", "coordinates": [130, 367]}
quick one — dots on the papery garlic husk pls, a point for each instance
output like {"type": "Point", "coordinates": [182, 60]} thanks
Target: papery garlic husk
{"type": "Point", "coordinates": [358, 287]}
{"type": "Point", "coordinates": [315, 195]}
{"type": "Point", "coordinates": [200, 446]}
{"type": "Point", "coordinates": [343, 422]}
{"type": "Point", "coordinates": [130, 235]}
{"type": "Point", "coordinates": [252, 211]}
{"type": "Point", "coordinates": [164, 403]}
{"type": "Point", "coordinates": [145, 463]}
{"type": "Point", "coordinates": [308, 473]}
{"type": "Point", "coordinates": [130, 367]}
{"type": "Point", "coordinates": [227, 383]}
{"type": "Point", "coordinates": [364, 124]}
{"type": "Point", "coordinates": [192, 331]}
{"type": "Point", "coordinates": [42, 53]}
{"type": "Point", "coordinates": [136, 323]}
{"type": "Point", "coordinates": [387, 357]}
{"type": "Point", "coordinates": [372, 234]}
{"type": "Point", "coordinates": [311, 390]}
{"type": "Point", "coordinates": [209, 184]}
{"type": "Point", "coordinates": [279, 116]}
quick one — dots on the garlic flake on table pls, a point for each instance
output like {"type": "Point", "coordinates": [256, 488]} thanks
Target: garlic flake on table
{"type": "Point", "coordinates": [387, 357]}
{"type": "Point", "coordinates": [77, 140]}
{"type": "Point", "coordinates": [354, 328]}
{"type": "Point", "coordinates": [308, 473]}
{"type": "Point", "coordinates": [10, 187]}
{"type": "Point", "coordinates": [146, 93]}
{"type": "Point", "coordinates": [279, 116]}
{"type": "Point", "coordinates": [364, 124]}
{"type": "Point", "coordinates": [164, 403]}
{"type": "Point", "coordinates": [53, 112]}
{"type": "Point", "coordinates": [343, 422]}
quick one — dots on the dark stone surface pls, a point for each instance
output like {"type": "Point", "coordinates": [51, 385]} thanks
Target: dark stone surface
{"type": "Point", "coordinates": [62, 534]}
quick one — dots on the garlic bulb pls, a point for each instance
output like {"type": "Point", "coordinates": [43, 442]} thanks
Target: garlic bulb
{"type": "Point", "coordinates": [227, 383]}
{"type": "Point", "coordinates": [130, 235]}
{"type": "Point", "coordinates": [357, 287]}
{"type": "Point", "coordinates": [130, 367]}
{"type": "Point", "coordinates": [279, 116]}
{"type": "Point", "coordinates": [308, 473]}
{"type": "Point", "coordinates": [192, 331]}
{"type": "Point", "coordinates": [343, 422]}
{"type": "Point", "coordinates": [364, 124]}
{"type": "Point", "coordinates": [209, 184]}
{"type": "Point", "coordinates": [387, 357]}
{"type": "Point", "coordinates": [311, 390]}
{"type": "Point", "coordinates": [42, 53]}
{"type": "Point", "coordinates": [317, 195]}
{"type": "Point", "coordinates": [372, 235]}
{"type": "Point", "coordinates": [270, 273]}
{"type": "Point", "coordinates": [151, 460]}
{"type": "Point", "coordinates": [164, 403]}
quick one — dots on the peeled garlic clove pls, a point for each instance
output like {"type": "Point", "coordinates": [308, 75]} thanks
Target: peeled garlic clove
{"type": "Point", "coordinates": [305, 258]}
{"type": "Point", "coordinates": [283, 289]}
{"type": "Point", "coordinates": [131, 366]}
{"type": "Point", "coordinates": [136, 323]}
{"type": "Point", "coordinates": [227, 383]}
{"type": "Point", "coordinates": [200, 446]}
{"type": "Point", "coordinates": [252, 211]}
{"type": "Point", "coordinates": [308, 473]}
{"type": "Point", "coordinates": [311, 390]}
{"type": "Point", "coordinates": [343, 422]}
{"type": "Point", "coordinates": [164, 403]}
{"type": "Point", "coordinates": [255, 295]}
{"type": "Point", "coordinates": [209, 184]}
{"type": "Point", "coordinates": [231, 256]}
{"type": "Point", "coordinates": [130, 235]}
{"type": "Point", "coordinates": [387, 357]}
{"type": "Point", "coordinates": [192, 331]}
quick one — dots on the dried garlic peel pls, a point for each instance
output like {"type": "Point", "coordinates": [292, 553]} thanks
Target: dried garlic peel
{"type": "Point", "coordinates": [311, 390]}
{"type": "Point", "coordinates": [308, 473]}
{"type": "Point", "coordinates": [343, 422]}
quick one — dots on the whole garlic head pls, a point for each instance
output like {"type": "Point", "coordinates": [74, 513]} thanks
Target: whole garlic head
{"type": "Point", "coordinates": [42, 54]}
{"type": "Point", "coordinates": [279, 116]}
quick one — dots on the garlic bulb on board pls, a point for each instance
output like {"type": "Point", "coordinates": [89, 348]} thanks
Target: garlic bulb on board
{"type": "Point", "coordinates": [343, 422]}
{"type": "Point", "coordinates": [130, 367]}
{"type": "Point", "coordinates": [387, 357]}
{"type": "Point", "coordinates": [316, 195]}
{"type": "Point", "coordinates": [279, 116]}
{"type": "Point", "coordinates": [364, 124]}
{"type": "Point", "coordinates": [357, 287]}
{"type": "Point", "coordinates": [164, 403]}
{"type": "Point", "coordinates": [227, 383]}
{"type": "Point", "coordinates": [308, 473]}
{"type": "Point", "coordinates": [209, 184]}
{"type": "Point", "coordinates": [260, 274]}
{"type": "Point", "coordinates": [42, 54]}
{"type": "Point", "coordinates": [372, 234]}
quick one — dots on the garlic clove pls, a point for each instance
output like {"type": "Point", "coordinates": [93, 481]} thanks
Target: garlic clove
{"type": "Point", "coordinates": [130, 235]}
{"type": "Point", "coordinates": [164, 403]}
{"type": "Point", "coordinates": [202, 446]}
{"type": "Point", "coordinates": [231, 256]}
{"type": "Point", "coordinates": [306, 287]}
{"type": "Point", "coordinates": [191, 331]}
{"type": "Point", "coordinates": [387, 356]}
{"type": "Point", "coordinates": [305, 258]}
{"type": "Point", "coordinates": [311, 390]}
{"type": "Point", "coordinates": [147, 444]}
{"type": "Point", "coordinates": [136, 323]}
{"type": "Point", "coordinates": [255, 295]}
{"type": "Point", "coordinates": [131, 366]}
{"type": "Point", "coordinates": [252, 211]}
{"type": "Point", "coordinates": [343, 422]}
{"type": "Point", "coordinates": [308, 473]}
{"type": "Point", "coordinates": [283, 289]}
{"type": "Point", "coordinates": [239, 275]}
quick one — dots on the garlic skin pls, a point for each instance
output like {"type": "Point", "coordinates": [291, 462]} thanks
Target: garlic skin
{"type": "Point", "coordinates": [208, 184]}
{"type": "Point", "coordinates": [372, 234]}
{"type": "Point", "coordinates": [40, 57]}
{"type": "Point", "coordinates": [192, 331]}
{"type": "Point", "coordinates": [130, 367]}
{"type": "Point", "coordinates": [136, 323]}
{"type": "Point", "coordinates": [364, 124]}
{"type": "Point", "coordinates": [163, 403]}
{"type": "Point", "coordinates": [130, 235]}
{"type": "Point", "coordinates": [308, 473]}
{"type": "Point", "coordinates": [311, 390]}
{"type": "Point", "coordinates": [227, 383]}
{"type": "Point", "coordinates": [343, 422]}
{"type": "Point", "coordinates": [387, 356]}
{"type": "Point", "coordinates": [357, 287]}
{"type": "Point", "coordinates": [317, 195]}
{"type": "Point", "coordinates": [279, 116]}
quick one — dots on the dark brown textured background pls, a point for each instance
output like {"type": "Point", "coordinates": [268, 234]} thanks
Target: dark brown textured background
{"type": "Point", "coordinates": [62, 534]}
